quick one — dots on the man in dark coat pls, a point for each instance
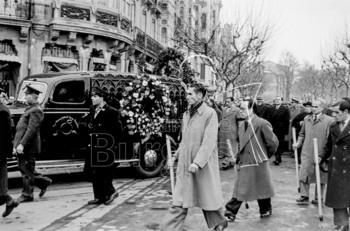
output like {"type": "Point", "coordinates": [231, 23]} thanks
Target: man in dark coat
{"type": "Point", "coordinates": [105, 125]}
{"type": "Point", "coordinates": [280, 117]}
{"type": "Point", "coordinates": [5, 151]}
{"type": "Point", "coordinates": [257, 143]}
{"type": "Point", "coordinates": [27, 145]}
{"type": "Point", "coordinates": [263, 110]}
{"type": "Point", "coordinates": [337, 152]}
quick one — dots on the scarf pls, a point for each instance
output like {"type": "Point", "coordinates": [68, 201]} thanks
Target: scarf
{"type": "Point", "coordinates": [194, 109]}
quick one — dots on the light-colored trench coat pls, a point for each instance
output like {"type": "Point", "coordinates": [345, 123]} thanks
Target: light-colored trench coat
{"type": "Point", "coordinates": [199, 145]}
{"type": "Point", "coordinates": [257, 144]}
{"type": "Point", "coordinates": [308, 132]}
{"type": "Point", "coordinates": [228, 131]}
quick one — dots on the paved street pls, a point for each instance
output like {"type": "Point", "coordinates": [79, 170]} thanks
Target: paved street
{"type": "Point", "coordinates": [142, 204]}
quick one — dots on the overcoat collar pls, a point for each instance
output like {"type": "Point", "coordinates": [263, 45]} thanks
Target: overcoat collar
{"type": "Point", "coordinates": [200, 110]}
{"type": "Point", "coordinates": [344, 133]}
{"type": "Point", "coordinates": [245, 135]}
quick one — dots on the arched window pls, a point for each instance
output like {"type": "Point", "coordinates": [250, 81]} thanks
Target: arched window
{"type": "Point", "coordinates": [164, 35]}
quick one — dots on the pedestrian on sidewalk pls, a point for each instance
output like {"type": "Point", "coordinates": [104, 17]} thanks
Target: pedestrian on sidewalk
{"type": "Point", "coordinates": [280, 117]}
{"type": "Point", "coordinates": [257, 143]}
{"type": "Point", "coordinates": [105, 124]}
{"type": "Point", "coordinates": [27, 144]}
{"type": "Point", "coordinates": [228, 132]}
{"type": "Point", "coordinates": [5, 151]}
{"type": "Point", "coordinates": [316, 126]}
{"type": "Point", "coordinates": [337, 152]}
{"type": "Point", "coordinates": [197, 175]}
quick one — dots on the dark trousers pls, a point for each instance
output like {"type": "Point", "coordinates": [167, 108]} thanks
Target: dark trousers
{"type": "Point", "coordinates": [4, 196]}
{"type": "Point", "coordinates": [31, 178]}
{"type": "Point", "coordinates": [280, 149]}
{"type": "Point", "coordinates": [102, 181]}
{"type": "Point", "coordinates": [233, 205]}
{"type": "Point", "coordinates": [175, 218]}
{"type": "Point", "coordinates": [341, 217]}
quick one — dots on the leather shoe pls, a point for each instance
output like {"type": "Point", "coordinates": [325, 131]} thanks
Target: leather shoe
{"type": "Point", "coordinates": [342, 228]}
{"type": "Point", "coordinates": [276, 162]}
{"type": "Point", "coordinates": [230, 216]}
{"type": "Point", "coordinates": [95, 202]}
{"type": "Point", "coordinates": [111, 198]}
{"type": "Point", "coordinates": [221, 226]}
{"type": "Point", "coordinates": [9, 208]}
{"type": "Point", "coordinates": [43, 190]}
{"type": "Point", "coordinates": [22, 199]}
{"type": "Point", "coordinates": [303, 200]}
{"type": "Point", "coordinates": [267, 214]}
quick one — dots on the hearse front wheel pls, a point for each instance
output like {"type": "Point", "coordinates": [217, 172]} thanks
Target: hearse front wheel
{"type": "Point", "coordinates": [152, 159]}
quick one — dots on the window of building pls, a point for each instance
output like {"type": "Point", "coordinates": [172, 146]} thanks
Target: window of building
{"type": "Point", "coordinates": [164, 21]}
{"type": "Point", "coordinates": [164, 35]}
{"type": "Point", "coordinates": [69, 92]}
{"type": "Point", "coordinates": [204, 21]}
{"type": "Point", "coordinates": [202, 71]}
{"type": "Point", "coordinates": [165, 6]}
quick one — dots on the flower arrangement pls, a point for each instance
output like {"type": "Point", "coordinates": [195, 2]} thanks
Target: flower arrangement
{"type": "Point", "coordinates": [145, 105]}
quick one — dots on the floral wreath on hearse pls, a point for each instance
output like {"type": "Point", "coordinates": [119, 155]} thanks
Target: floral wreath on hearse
{"type": "Point", "coordinates": [145, 105]}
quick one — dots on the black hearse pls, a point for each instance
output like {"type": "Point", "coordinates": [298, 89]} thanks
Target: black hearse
{"type": "Point", "coordinates": [66, 101]}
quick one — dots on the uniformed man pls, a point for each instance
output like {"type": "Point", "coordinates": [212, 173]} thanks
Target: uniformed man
{"type": "Point", "coordinates": [27, 144]}
{"type": "Point", "coordinates": [105, 124]}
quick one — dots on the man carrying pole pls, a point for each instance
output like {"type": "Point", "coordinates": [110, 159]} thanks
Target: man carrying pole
{"type": "Point", "coordinates": [314, 126]}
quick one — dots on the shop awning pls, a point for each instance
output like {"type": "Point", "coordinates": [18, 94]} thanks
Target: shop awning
{"type": "Point", "coordinates": [99, 60]}
{"type": "Point", "coordinates": [59, 60]}
{"type": "Point", "coordinates": [9, 58]}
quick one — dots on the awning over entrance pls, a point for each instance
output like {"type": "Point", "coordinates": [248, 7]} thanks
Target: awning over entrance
{"type": "Point", "coordinates": [9, 58]}
{"type": "Point", "coordinates": [99, 60]}
{"type": "Point", "coordinates": [59, 60]}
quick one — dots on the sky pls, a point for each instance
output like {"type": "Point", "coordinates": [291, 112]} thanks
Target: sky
{"type": "Point", "coordinates": [307, 28]}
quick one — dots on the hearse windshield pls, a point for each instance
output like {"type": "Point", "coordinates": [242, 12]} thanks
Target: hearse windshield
{"type": "Point", "coordinates": [38, 85]}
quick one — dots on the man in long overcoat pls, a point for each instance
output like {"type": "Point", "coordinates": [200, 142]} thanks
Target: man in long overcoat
{"type": "Point", "coordinates": [27, 144]}
{"type": "Point", "coordinates": [280, 117]}
{"type": "Point", "coordinates": [257, 143]}
{"type": "Point", "coordinates": [337, 152]}
{"type": "Point", "coordinates": [105, 124]}
{"type": "Point", "coordinates": [316, 126]}
{"type": "Point", "coordinates": [197, 175]}
{"type": "Point", "coordinates": [5, 151]}
{"type": "Point", "coordinates": [228, 132]}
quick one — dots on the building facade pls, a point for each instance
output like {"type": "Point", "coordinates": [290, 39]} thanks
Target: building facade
{"type": "Point", "coordinates": [42, 36]}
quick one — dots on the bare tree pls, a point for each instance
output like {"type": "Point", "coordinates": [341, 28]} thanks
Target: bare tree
{"type": "Point", "coordinates": [235, 50]}
{"type": "Point", "coordinates": [289, 68]}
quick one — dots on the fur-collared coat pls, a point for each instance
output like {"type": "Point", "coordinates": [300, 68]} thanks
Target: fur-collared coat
{"type": "Point", "coordinates": [257, 144]}
{"type": "Point", "coordinates": [199, 145]}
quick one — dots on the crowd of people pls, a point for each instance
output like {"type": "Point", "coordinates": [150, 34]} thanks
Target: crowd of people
{"type": "Point", "coordinates": [245, 133]}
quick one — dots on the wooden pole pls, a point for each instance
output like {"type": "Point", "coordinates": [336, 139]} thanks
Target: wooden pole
{"type": "Point", "coordinates": [296, 159]}
{"type": "Point", "coordinates": [318, 180]}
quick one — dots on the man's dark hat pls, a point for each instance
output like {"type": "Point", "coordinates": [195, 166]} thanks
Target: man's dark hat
{"type": "Point", "coordinates": [307, 104]}
{"type": "Point", "coordinates": [31, 90]}
{"type": "Point", "coordinates": [295, 101]}
{"type": "Point", "coordinates": [98, 91]}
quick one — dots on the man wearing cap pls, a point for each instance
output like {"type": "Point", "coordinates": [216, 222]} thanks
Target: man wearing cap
{"type": "Point", "coordinates": [5, 151]}
{"type": "Point", "coordinates": [105, 125]}
{"type": "Point", "coordinates": [27, 144]}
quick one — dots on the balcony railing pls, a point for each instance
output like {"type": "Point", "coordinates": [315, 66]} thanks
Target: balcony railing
{"type": "Point", "coordinates": [139, 37]}
{"type": "Point", "coordinates": [15, 8]}
{"type": "Point", "coordinates": [153, 45]}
